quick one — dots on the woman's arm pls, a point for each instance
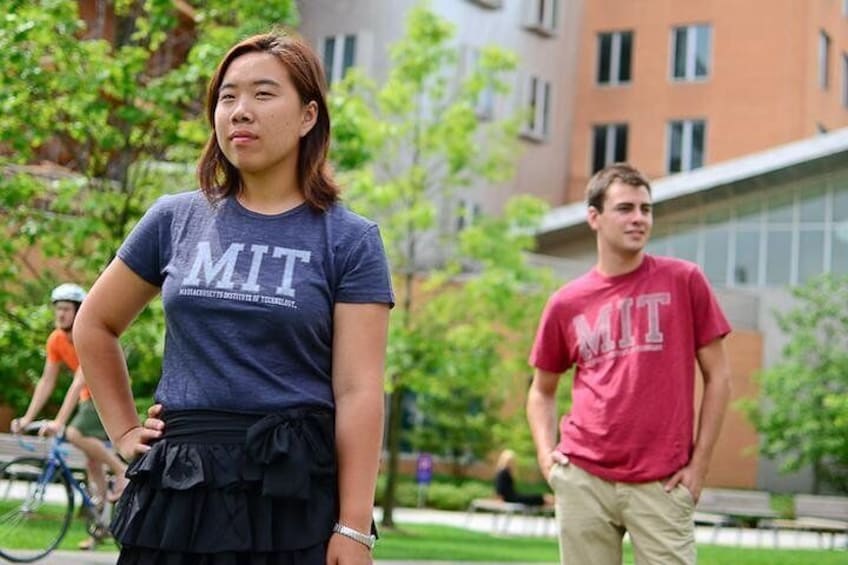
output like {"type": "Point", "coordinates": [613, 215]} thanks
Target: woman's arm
{"type": "Point", "coordinates": [113, 302]}
{"type": "Point", "coordinates": [359, 352]}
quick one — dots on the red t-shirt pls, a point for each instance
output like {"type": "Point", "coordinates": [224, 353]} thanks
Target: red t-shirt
{"type": "Point", "coordinates": [633, 339]}
{"type": "Point", "coordinates": [60, 349]}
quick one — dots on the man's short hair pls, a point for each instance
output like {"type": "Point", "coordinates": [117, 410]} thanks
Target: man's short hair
{"type": "Point", "coordinates": [596, 190]}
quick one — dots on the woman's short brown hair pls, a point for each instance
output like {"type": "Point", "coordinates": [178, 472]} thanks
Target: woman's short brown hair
{"type": "Point", "coordinates": [596, 190]}
{"type": "Point", "coordinates": [219, 178]}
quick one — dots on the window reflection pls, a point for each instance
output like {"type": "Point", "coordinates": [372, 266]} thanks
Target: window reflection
{"type": "Point", "coordinates": [812, 206]}
{"type": "Point", "coordinates": [778, 239]}
{"type": "Point", "coordinates": [746, 269]}
{"type": "Point", "coordinates": [810, 254]}
{"type": "Point", "coordinates": [778, 257]}
{"type": "Point", "coordinates": [715, 255]}
{"type": "Point", "coordinates": [839, 249]}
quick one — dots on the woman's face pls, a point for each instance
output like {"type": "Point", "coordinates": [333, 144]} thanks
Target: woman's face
{"type": "Point", "coordinates": [259, 118]}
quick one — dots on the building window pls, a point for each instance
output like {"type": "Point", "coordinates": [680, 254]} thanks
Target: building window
{"type": "Point", "coordinates": [690, 49]}
{"type": "Point", "coordinates": [339, 56]}
{"type": "Point", "coordinates": [614, 54]}
{"type": "Point", "coordinates": [484, 105]}
{"type": "Point", "coordinates": [824, 58]}
{"type": "Point", "coordinates": [845, 80]}
{"type": "Point", "coordinates": [786, 239]}
{"type": "Point", "coordinates": [538, 103]}
{"type": "Point", "coordinates": [467, 213]}
{"type": "Point", "coordinates": [609, 143]}
{"type": "Point", "coordinates": [541, 15]}
{"type": "Point", "coordinates": [686, 145]}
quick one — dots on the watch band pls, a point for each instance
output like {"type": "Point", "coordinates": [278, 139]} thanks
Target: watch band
{"type": "Point", "coordinates": [365, 539]}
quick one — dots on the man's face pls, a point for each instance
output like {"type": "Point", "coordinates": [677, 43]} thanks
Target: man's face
{"type": "Point", "coordinates": [64, 313]}
{"type": "Point", "coordinates": [624, 225]}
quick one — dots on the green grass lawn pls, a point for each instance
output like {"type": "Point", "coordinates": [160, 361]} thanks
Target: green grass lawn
{"type": "Point", "coordinates": [441, 543]}
{"type": "Point", "coordinates": [40, 529]}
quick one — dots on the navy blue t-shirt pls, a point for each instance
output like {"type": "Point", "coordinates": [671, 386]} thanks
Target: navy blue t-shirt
{"type": "Point", "coordinates": [249, 298]}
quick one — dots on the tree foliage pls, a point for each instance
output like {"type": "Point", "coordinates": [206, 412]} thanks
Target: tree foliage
{"type": "Point", "coordinates": [111, 103]}
{"type": "Point", "coordinates": [467, 300]}
{"type": "Point", "coordinates": [803, 416]}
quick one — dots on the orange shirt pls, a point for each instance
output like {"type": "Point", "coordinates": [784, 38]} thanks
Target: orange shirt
{"type": "Point", "coordinates": [61, 350]}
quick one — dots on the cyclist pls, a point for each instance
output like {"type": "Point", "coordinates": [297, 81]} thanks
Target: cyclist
{"type": "Point", "coordinates": [85, 430]}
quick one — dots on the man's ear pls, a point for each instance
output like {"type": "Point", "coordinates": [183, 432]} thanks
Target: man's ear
{"type": "Point", "coordinates": [308, 117]}
{"type": "Point", "coordinates": [592, 214]}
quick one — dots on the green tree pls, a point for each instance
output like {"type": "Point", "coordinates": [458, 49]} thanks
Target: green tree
{"type": "Point", "coordinates": [406, 149]}
{"type": "Point", "coordinates": [803, 415]}
{"type": "Point", "coordinates": [112, 112]}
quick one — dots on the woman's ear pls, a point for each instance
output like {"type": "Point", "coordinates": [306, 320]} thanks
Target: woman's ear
{"type": "Point", "coordinates": [308, 117]}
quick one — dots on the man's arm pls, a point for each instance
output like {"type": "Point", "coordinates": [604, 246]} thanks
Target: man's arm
{"type": "Point", "coordinates": [68, 404]}
{"type": "Point", "coordinates": [42, 392]}
{"type": "Point", "coordinates": [715, 370]}
{"type": "Point", "coordinates": [542, 417]}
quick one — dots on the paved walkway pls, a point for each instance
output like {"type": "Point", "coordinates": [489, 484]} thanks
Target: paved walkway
{"type": "Point", "coordinates": [523, 525]}
{"type": "Point", "coordinates": [539, 526]}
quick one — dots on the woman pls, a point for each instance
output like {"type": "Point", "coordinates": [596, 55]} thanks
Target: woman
{"type": "Point", "coordinates": [276, 303]}
{"type": "Point", "coordinates": [505, 485]}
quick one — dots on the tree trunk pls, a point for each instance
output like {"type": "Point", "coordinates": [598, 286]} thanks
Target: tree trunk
{"type": "Point", "coordinates": [393, 440]}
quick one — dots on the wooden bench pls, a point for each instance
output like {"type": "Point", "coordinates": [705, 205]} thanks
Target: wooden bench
{"type": "Point", "coordinates": [506, 510]}
{"type": "Point", "coordinates": [10, 448]}
{"type": "Point", "coordinates": [820, 514]}
{"type": "Point", "coordinates": [734, 507]}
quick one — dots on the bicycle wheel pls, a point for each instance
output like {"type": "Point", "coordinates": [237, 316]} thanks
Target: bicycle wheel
{"type": "Point", "coordinates": [36, 508]}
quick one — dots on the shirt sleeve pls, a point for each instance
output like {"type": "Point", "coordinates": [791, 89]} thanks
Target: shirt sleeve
{"type": "Point", "coordinates": [550, 348]}
{"type": "Point", "coordinates": [148, 246]}
{"type": "Point", "coordinates": [709, 319]}
{"type": "Point", "coordinates": [52, 347]}
{"type": "Point", "coordinates": [365, 277]}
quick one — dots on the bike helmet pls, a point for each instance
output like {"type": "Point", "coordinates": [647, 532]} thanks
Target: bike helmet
{"type": "Point", "coordinates": [68, 292]}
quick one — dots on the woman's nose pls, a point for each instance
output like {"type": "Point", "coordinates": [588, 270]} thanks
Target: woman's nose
{"type": "Point", "coordinates": [241, 112]}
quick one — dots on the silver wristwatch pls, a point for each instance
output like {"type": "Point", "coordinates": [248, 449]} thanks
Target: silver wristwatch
{"type": "Point", "coordinates": [365, 539]}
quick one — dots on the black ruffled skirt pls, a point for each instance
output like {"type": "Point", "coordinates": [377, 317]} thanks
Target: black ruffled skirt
{"type": "Point", "coordinates": [226, 488]}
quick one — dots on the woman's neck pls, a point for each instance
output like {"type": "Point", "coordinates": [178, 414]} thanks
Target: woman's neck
{"type": "Point", "coordinates": [270, 193]}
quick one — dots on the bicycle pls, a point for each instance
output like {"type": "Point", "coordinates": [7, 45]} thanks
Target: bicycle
{"type": "Point", "coordinates": [37, 496]}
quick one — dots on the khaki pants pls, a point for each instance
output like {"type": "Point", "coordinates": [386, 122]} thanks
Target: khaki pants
{"type": "Point", "coordinates": [593, 514]}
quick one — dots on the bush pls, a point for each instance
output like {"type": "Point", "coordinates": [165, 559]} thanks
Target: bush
{"type": "Point", "coordinates": [446, 496]}
{"type": "Point", "coordinates": [441, 494]}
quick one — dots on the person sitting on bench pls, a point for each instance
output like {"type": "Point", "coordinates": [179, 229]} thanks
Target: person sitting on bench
{"type": "Point", "coordinates": [505, 485]}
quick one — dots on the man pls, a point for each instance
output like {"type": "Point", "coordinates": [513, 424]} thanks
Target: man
{"type": "Point", "coordinates": [633, 328]}
{"type": "Point", "coordinates": [85, 430]}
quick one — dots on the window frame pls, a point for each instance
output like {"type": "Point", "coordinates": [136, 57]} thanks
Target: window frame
{"type": "Point", "coordinates": [611, 133]}
{"type": "Point", "coordinates": [687, 143]}
{"type": "Point", "coordinates": [490, 4]}
{"type": "Point", "coordinates": [337, 71]}
{"type": "Point", "coordinates": [616, 41]}
{"type": "Point", "coordinates": [845, 78]}
{"type": "Point", "coordinates": [541, 16]}
{"type": "Point", "coordinates": [824, 59]}
{"type": "Point", "coordinates": [690, 72]}
{"type": "Point", "coordinates": [537, 125]}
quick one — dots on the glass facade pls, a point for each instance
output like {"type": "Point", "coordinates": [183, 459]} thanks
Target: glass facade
{"type": "Point", "coordinates": [781, 238]}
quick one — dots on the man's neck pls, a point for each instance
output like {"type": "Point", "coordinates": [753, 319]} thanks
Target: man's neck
{"type": "Point", "coordinates": [616, 264]}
